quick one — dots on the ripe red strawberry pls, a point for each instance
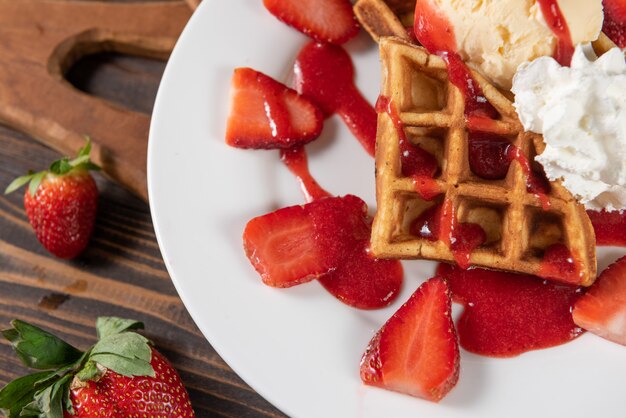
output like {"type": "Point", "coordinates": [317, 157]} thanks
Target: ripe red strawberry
{"type": "Point", "coordinates": [323, 20]}
{"type": "Point", "coordinates": [615, 21]}
{"type": "Point", "coordinates": [602, 310]}
{"type": "Point", "coordinates": [282, 247]}
{"type": "Point", "coordinates": [61, 204]}
{"type": "Point", "coordinates": [416, 352]}
{"type": "Point", "coordinates": [266, 114]}
{"type": "Point", "coordinates": [120, 376]}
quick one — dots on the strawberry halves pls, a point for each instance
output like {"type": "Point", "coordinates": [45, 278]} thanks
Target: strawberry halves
{"type": "Point", "coordinates": [266, 114]}
{"type": "Point", "coordinates": [416, 352]}
{"type": "Point", "coordinates": [323, 20]}
{"type": "Point", "coordinates": [602, 310]}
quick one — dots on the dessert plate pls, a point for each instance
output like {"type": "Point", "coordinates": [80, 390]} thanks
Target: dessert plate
{"type": "Point", "coordinates": [299, 347]}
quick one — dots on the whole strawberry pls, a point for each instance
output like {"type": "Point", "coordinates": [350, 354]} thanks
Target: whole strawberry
{"type": "Point", "coordinates": [120, 376]}
{"type": "Point", "coordinates": [61, 203]}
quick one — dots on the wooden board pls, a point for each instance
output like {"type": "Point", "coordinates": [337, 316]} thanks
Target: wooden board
{"type": "Point", "coordinates": [41, 39]}
{"type": "Point", "coordinates": [121, 273]}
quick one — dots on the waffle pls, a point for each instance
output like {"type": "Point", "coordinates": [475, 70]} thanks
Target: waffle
{"type": "Point", "coordinates": [385, 18]}
{"type": "Point", "coordinates": [517, 226]}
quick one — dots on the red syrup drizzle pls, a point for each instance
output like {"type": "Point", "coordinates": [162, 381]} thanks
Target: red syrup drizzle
{"type": "Point", "coordinates": [560, 264]}
{"type": "Point", "coordinates": [324, 73]}
{"type": "Point", "coordinates": [434, 31]}
{"type": "Point", "coordinates": [296, 161]}
{"type": "Point", "coordinates": [507, 314]}
{"type": "Point", "coordinates": [610, 227]}
{"type": "Point", "coordinates": [440, 221]}
{"type": "Point", "coordinates": [556, 22]}
{"type": "Point", "coordinates": [415, 162]}
{"type": "Point", "coordinates": [359, 279]}
{"type": "Point", "coordinates": [536, 183]}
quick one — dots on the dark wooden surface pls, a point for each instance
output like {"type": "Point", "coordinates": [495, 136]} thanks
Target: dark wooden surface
{"type": "Point", "coordinates": [121, 273]}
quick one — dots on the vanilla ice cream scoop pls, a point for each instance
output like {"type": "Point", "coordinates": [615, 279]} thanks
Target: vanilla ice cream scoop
{"type": "Point", "coordinates": [581, 112]}
{"type": "Point", "coordinates": [496, 36]}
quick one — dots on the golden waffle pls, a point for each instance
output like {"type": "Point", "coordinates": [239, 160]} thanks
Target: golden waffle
{"type": "Point", "coordinates": [385, 18]}
{"type": "Point", "coordinates": [431, 109]}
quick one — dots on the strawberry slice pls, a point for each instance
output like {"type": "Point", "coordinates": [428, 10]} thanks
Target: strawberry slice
{"type": "Point", "coordinates": [614, 25]}
{"type": "Point", "coordinates": [602, 310]}
{"type": "Point", "coordinates": [323, 20]}
{"type": "Point", "coordinates": [266, 114]}
{"type": "Point", "coordinates": [282, 247]}
{"type": "Point", "coordinates": [416, 352]}
{"type": "Point", "coordinates": [326, 239]}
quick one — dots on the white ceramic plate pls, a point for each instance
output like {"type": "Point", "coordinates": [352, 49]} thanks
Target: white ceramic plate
{"type": "Point", "coordinates": [300, 348]}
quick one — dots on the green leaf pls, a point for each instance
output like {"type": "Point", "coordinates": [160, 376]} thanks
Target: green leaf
{"type": "Point", "coordinates": [124, 366]}
{"type": "Point", "coordinates": [39, 349]}
{"type": "Point", "coordinates": [17, 183]}
{"type": "Point", "coordinates": [84, 151]}
{"type": "Point", "coordinates": [20, 387]}
{"type": "Point", "coordinates": [78, 161]}
{"type": "Point", "coordinates": [126, 344]}
{"type": "Point", "coordinates": [60, 167]}
{"type": "Point", "coordinates": [110, 325]}
{"type": "Point", "coordinates": [48, 403]}
{"type": "Point", "coordinates": [67, 401]}
{"type": "Point", "coordinates": [36, 181]}
{"type": "Point", "coordinates": [89, 372]}
{"type": "Point", "coordinates": [126, 353]}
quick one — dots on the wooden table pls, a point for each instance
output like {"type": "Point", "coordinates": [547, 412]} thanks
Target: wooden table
{"type": "Point", "coordinates": [121, 273]}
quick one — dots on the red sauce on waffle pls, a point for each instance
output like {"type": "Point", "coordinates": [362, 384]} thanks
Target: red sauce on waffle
{"type": "Point", "coordinates": [415, 162]}
{"type": "Point", "coordinates": [508, 314]}
{"type": "Point", "coordinates": [536, 183]}
{"type": "Point", "coordinates": [434, 31]}
{"type": "Point", "coordinates": [440, 222]}
{"type": "Point", "coordinates": [560, 264]}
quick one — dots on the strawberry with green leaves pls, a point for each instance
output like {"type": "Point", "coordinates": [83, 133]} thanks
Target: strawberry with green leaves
{"type": "Point", "coordinates": [61, 203]}
{"type": "Point", "coordinates": [122, 375]}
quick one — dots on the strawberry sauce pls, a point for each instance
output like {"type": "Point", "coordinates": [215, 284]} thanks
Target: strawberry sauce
{"type": "Point", "coordinates": [434, 31]}
{"type": "Point", "coordinates": [343, 231]}
{"type": "Point", "coordinates": [440, 221]}
{"type": "Point", "coordinates": [324, 73]}
{"type": "Point", "coordinates": [610, 227]}
{"type": "Point", "coordinates": [488, 155]}
{"type": "Point", "coordinates": [536, 183]}
{"type": "Point", "coordinates": [415, 162]}
{"type": "Point", "coordinates": [296, 161]}
{"type": "Point", "coordinates": [556, 22]}
{"type": "Point", "coordinates": [559, 264]}
{"type": "Point", "coordinates": [508, 314]}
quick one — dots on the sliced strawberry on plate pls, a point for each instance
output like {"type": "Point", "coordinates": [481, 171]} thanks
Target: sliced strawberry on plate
{"type": "Point", "coordinates": [323, 20]}
{"type": "Point", "coordinates": [602, 310]}
{"type": "Point", "coordinates": [266, 114]}
{"type": "Point", "coordinates": [282, 247]}
{"type": "Point", "coordinates": [615, 21]}
{"type": "Point", "coordinates": [416, 352]}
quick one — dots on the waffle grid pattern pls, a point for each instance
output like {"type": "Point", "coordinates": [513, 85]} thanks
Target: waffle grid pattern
{"type": "Point", "coordinates": [432, 112]}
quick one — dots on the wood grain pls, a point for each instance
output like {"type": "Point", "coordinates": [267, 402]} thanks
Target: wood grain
{"type": "Point", "coordinates": [41, 39]}
{"type": "Point", "coordinates": [121, 273]}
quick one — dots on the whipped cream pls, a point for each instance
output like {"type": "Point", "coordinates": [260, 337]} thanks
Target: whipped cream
{"type": "Point", "coordinates": [581, 112]}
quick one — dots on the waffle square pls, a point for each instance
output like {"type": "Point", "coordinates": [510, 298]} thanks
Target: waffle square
{"type": "Point", "coordinates": [519, 225]}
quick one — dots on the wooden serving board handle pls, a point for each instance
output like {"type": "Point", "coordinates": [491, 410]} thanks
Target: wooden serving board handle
{"type": "Point", "coordinates": [41, 39]}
